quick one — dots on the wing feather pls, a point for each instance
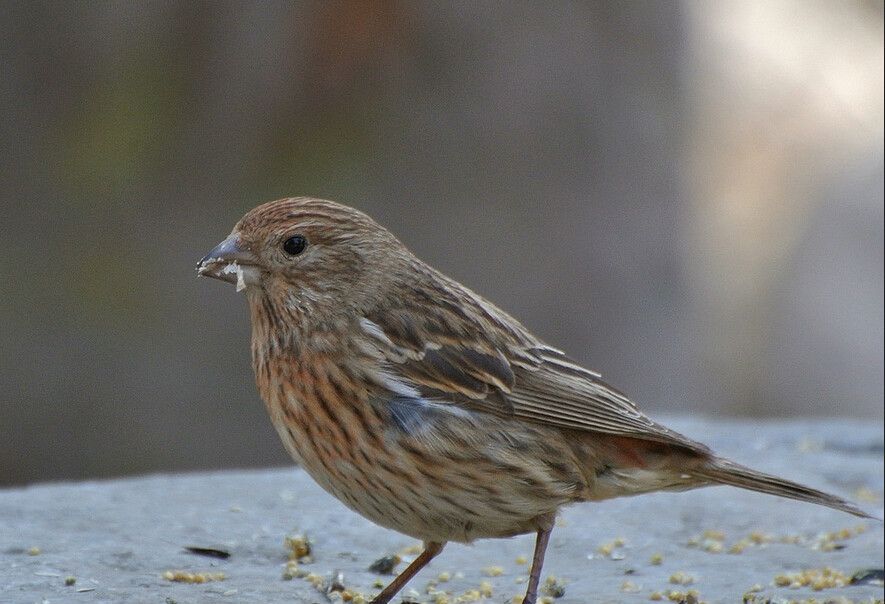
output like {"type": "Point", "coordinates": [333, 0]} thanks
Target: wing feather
{"type": "Point", "coordinates": [476, 356]}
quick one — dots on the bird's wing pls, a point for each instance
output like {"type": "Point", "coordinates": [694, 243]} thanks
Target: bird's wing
{"type": "Point", "coordinates": [473, 355]}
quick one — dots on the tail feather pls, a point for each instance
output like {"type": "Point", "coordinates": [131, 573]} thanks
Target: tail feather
{"type": "Point", "coordinates": [723, 471]}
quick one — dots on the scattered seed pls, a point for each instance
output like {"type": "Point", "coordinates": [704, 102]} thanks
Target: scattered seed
{"type": "Point", "coordinates": [681, 578]}
{"type": "Point", "coordinates": [493, 571]}
{"type": "Point", "coordinates": [180, 576]}
{"type": "Point", "coordinates": [300, 547]}
{"type": "Point", "coordinates": [816, 579]}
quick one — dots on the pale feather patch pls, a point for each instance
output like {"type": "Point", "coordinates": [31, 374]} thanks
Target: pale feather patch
{"type": "Point", "coordinates": [386, 347]}
{"type": "Point", "coordinates": [412, 403]}
{"type": "Point", "coordinates": [624, 482]}
{"type": "Point", "coordinates": [398, 386]}
{"type": "Point", "coordinates": [374, 330]}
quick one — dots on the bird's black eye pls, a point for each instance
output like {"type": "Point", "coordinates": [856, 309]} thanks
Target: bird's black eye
{"type": "Point", "coordinates": [294, 245]}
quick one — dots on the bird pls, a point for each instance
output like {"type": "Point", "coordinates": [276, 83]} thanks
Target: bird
{"type": "Point", "coordinates": [427, 409]}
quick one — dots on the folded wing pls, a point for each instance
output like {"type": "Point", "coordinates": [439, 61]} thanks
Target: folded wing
{"type": "Point", "coordinates": [474, 355]}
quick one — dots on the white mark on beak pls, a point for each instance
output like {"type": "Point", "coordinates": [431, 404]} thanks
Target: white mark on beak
{"type": "Point", "coordinates": [233, 267]}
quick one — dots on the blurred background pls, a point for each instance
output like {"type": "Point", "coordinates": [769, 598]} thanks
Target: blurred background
{"type": "Point", "coordinates": [685, 196]}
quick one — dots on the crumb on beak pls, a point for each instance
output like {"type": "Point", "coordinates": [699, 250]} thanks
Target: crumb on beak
{"type": "Point", "coordinates": [229, 262]}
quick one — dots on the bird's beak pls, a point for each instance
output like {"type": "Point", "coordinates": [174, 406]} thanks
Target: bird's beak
{"type": "Point", "coordinates": [230, 262]}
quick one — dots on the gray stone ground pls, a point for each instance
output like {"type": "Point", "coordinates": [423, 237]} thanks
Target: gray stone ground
{"type": "Point", "coordinates": [118, 537]}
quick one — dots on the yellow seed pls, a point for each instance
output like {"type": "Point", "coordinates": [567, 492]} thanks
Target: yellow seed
{"type": "Point", "coordinates": [738, 548]}
{"type": "Point", "coordinates": [493, 571]}
{"type": "Point", "coordinates": [759, 538]}
{"type": "Point", "coordinates": [681, 578]}
{"type": "Point", "coordinates": [292, 571]}
{"type": "Point", "coordinates": [180, 576]}
{"type": "Point", "coordinates": [629, 587]}
{"type": "Point", "coordinates": [485, 589]}
{"type": "Point", "coordinates": [299, 547]}
{"type": "Point", "coordinates": [817, 579]}
{"type": "Point", "coordinates": [713, 547]}
{"type": "Point", "coordinates": [714, 535]}
{"type": "Point", "coordinates": [316, 580]}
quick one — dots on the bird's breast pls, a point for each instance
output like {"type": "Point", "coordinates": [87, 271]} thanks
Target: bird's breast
{"type": "Point", "coordinates": [424, 468]}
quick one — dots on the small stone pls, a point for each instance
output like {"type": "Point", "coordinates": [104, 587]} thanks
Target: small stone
{"type": "Point", "coordinates": [385, 565]}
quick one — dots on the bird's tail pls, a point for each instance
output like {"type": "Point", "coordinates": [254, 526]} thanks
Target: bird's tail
{"type": "Point", "coordinates": [723, 471]}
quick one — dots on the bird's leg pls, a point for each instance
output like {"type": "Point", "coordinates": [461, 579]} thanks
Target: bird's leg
{"type": "Point", "coordinates": [531, 593]}
{"type": "Point", "coordinates": [431, 550]}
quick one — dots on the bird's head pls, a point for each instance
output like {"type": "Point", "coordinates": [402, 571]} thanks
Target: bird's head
{"type": "Point", "coordinates": [307, 253]}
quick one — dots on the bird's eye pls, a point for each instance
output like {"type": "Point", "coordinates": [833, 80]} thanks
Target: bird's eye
{"type": "Point", "coordinates": [294, 245]}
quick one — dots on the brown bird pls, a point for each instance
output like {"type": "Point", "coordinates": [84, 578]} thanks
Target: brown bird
{"type": "Point", "coordinates": [427, 409]}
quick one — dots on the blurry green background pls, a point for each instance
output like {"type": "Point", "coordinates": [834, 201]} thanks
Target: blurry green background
{"type": "Point", "coordinates": [686, 196]}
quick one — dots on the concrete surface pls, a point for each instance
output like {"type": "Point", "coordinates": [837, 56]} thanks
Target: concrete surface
{"type": "Point", "coordinates": [117, 538]}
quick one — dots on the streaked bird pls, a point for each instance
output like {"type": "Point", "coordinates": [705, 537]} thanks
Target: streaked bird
{"type": "Point", "coordinates": [427, 409]}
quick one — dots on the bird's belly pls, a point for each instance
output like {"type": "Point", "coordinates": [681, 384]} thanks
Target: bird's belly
{"type": "Point", "coordinates": [451, 505]}
{"type": "Point", "coordinates": [445, 482]}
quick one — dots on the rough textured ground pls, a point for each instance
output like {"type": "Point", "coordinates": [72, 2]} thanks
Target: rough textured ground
{"type": "Point", "coordinates": [118, 537]}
